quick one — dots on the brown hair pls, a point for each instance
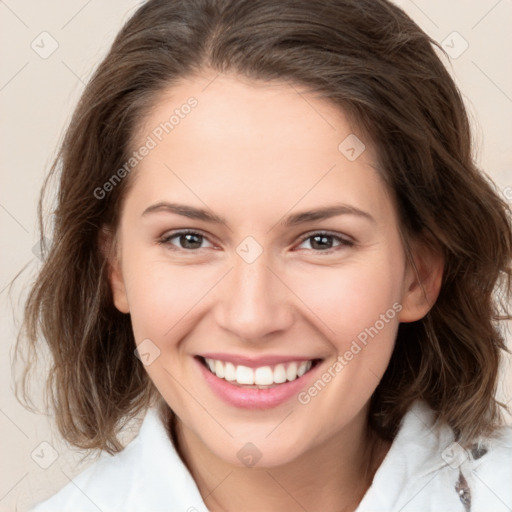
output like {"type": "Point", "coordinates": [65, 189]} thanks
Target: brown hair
{"type": "Point", "coordinates": [365, 56]}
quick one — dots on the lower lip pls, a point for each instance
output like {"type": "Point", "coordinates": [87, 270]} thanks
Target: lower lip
{"type": "Point", "coordinates": [253, 398]}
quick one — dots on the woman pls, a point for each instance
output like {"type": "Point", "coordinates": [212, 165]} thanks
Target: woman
{"type": "Point", "coordinates": [274, 204]}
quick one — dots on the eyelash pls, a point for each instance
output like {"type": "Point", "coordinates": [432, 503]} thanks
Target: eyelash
{"type": "Point", "coordinates": [343, 242]}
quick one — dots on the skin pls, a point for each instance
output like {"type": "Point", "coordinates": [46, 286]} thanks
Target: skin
{"type": "Point", "coordinates": [255, 153]}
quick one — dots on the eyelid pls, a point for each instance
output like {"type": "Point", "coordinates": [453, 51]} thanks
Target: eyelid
{"type": "Point", "coordinates": [167, 236]}
{"type": "Point", "coordinates": [345, 239]}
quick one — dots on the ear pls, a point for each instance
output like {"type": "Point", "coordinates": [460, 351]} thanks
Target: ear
{"type": "Point", "coordinates": [110, 248]}
{"type": "Point", "coordinates": [422, 283]}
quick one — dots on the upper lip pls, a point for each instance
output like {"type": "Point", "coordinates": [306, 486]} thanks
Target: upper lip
{"type": "Point", "coordinates": [255, 362]}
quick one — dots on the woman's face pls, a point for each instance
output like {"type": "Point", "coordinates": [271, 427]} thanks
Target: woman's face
{"type": "Point", "coordinates": [258, 234]}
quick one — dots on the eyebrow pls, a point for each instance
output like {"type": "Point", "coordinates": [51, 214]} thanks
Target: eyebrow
{"type": "Point", "coordinates": [186, 211]}
{"type": "Point", "coordinates": [292, 220]}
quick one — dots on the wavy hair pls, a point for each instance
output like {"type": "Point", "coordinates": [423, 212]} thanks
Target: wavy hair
{"type": "Point", "coordinates": [368, 58]}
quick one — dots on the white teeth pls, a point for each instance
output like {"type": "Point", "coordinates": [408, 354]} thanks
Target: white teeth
{"type": "Point", "coordinates": [291, 372]}
{"type": "Point", "coordinates": [219, 369]}
{"type": "Point", "coordinates": [264, 376]}
{"type": "Point", "coordinates": [229, 371]}
{"type": "Point", "coordinates": [279, 374]}
{"type": "Point", "coordinates": [244, 375]}
{"type": "Point", "coordinates": [303, 368]}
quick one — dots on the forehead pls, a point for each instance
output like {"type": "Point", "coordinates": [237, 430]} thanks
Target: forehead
{"type": "Point", "coordinates": [249, 113]}
{"type": "Point", "coordinates": [226, 137]}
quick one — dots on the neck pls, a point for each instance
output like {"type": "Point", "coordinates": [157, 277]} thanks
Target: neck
{"type": "Point", "coordinates": [333, 476]}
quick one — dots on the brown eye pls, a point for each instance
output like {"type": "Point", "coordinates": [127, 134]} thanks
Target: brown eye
{"type": "Point", "coordinates": [187, 240]}
{"type": "Point", "coordinates": [190, 241]}
{"type": "Point", "coordinates": [321, 242]}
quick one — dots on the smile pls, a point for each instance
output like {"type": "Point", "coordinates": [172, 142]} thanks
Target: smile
{"type": "Point", "coordinates": [256, 384]}
{"type": "Point", "coordinates": [261, 377]}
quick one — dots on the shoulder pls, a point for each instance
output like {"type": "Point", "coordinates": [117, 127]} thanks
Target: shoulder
{"type": "Point", "coordinates": [488, 470]}
{"type": "Point", "coordinates": [427, 470]}
{"type": "Point", "coordinates": [147, 475]}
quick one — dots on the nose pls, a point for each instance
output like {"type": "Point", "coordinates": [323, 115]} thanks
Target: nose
{"type": "Point", "coordinates": [254, 301]}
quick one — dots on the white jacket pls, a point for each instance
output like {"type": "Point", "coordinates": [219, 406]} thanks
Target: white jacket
{"type": "Point", "coordinates": [424, 471]}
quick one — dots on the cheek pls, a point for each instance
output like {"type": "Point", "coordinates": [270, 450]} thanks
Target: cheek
{"type": "Point", "coordinates": [162, 296]}
{"type": "Point", "coordinates": [351, 299]}
{"type": "Point", "coordinates": [357, 310]}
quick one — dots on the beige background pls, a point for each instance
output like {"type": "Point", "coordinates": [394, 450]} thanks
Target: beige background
{"type": "Point", "coordinates": [37, 94]}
